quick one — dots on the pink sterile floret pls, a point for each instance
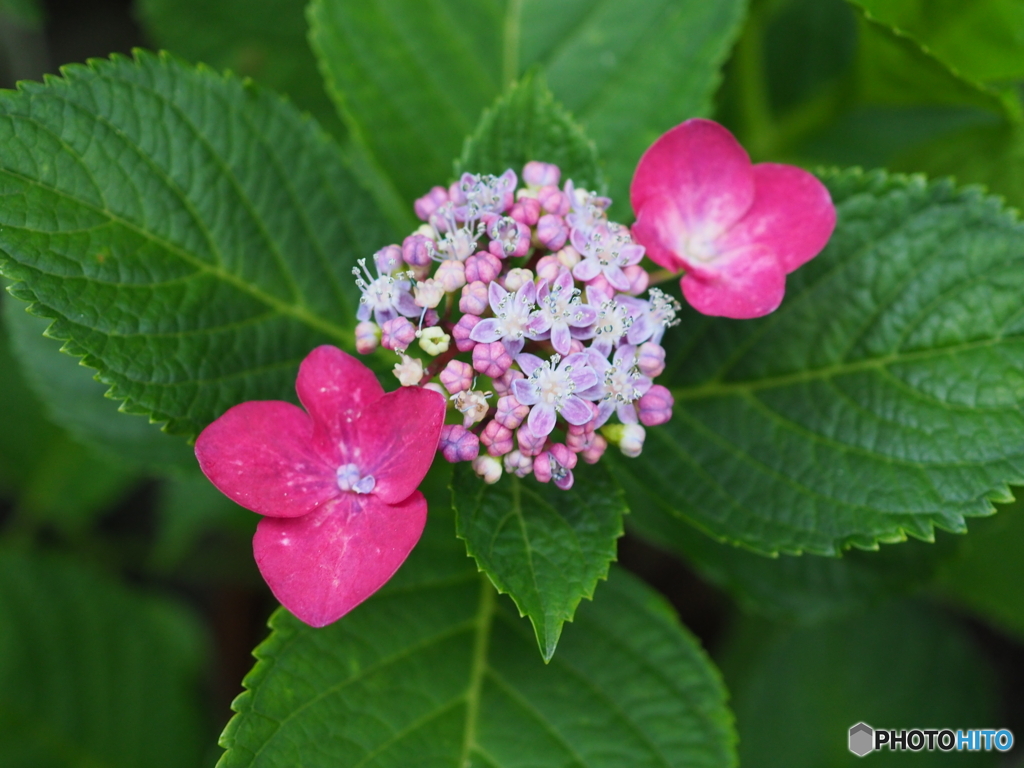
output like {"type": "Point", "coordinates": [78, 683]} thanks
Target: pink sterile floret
{"type": "Point", "coordinates": [336, 482]}
{"type": "Point", "coordinates": [737, 229]}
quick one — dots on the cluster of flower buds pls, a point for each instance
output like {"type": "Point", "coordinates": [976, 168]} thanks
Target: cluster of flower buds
{"type": "Point", "coordinates": [540, 295]}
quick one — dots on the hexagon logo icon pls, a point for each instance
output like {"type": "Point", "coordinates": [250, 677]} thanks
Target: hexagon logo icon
{"type": "Point", "coordinates": [862, 739]}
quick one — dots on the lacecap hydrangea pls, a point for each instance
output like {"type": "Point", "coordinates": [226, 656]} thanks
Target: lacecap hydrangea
{"type": "Point", "coordinates": [530, 312]}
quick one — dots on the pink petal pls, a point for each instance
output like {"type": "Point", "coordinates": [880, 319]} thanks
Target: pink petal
{"type": "Point", "coordinates": [749, 282]}
{"type": "Point", "coordinates": [324, 564]}
{"type": "Point", "coordinates": [703, 170]}
{"type": "Point", "coordinates": [662, 231]}
{"type": "Point", "coordinates": [260, 455]}
{"type": "Point", "coordinates": [398, 436]}
{"type": "Point", "coordinates": [335, 387]}
{"type": "Point", "coordinates": [792, 215]}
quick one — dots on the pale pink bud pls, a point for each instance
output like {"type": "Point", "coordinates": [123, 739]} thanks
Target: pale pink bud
{"type": "Point", "coordinates": [458, 444]}
{"type": "Point", "coordinates": [553, 200]}
{"type": "Point", "coordinates": [488, 467]}
{"type": "Point", "coordinates": [596, 450]}
{"type": "Point", "coordinates": [388, 259]}
{"type": "Point", "coordinates": [497, 438]}
{"type": "Point", "coordinates": [416, 250]}
{"type": "Point", "coordinates": [518, 464]}
{"type": "Point", "coordinates": [426, 206]}
{"type": "Point", "coordinates": [491, 359]}
{"type": "Point", "coordinates": [632, 442]}
{"type": "Point", "coordinates": [451, 274]}
{"type": "Point", "coordinates": [638, 279]}
{"type": "Point", "coordinates": [457, 376]}
{"type": "Point", "coordinates": [656, 406]}
{"type": "Point", "coordinates": [510, 411]}
{"type": "Point", "coordinates": [397, 333]}
{"type": "Point", "coordinates": [529, 443]}
{"type": "Point", "coordinates": [517, 278]}
{"type": "Point", "coordinates": [576, 346]}
{"type": "Point", "coordinates": [579, 441]}
{"type": "Point", "coordinates": [482, 267]}
{"type": "Point", "coordinates": [542, 467]}
{"type": "Point", "coordinates": [538, 174]}
{"type": "Point", "coordinates": [433, 386]}
{"type": "Point", "coordinates": [474, 298]}
{"type": "Point", "coordinates": [526, 211]}
{"type": "Point", "coordinates": [552, 232]}
{"type": "Point", "coordinates": [601, 284]}
{"type": "Point", "coordinates": [503, 384]}
{"type": "Point", "coordinates": [428, 293]}
{"type": "Point", "coordinates": [650, 359]}
{"type": "Point", "coordinates": [462, 330]}
{"type": "Point", "coordinates": [548, 268]}
{"type": "Point", "coordinates": [367, 337]}
{"type": "Point", "coordinates": [568, 257]}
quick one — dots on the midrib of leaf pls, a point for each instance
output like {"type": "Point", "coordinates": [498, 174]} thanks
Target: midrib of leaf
{"type": "Point", "coordinates": [298, 311]}
{"type": "Point", "coordinates": [481, 641]}
{"type": "Point", "coordinates": [725, 389]}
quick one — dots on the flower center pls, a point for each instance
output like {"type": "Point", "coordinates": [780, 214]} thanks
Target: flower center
{"type": "Point", "coordinates": [349, 479]}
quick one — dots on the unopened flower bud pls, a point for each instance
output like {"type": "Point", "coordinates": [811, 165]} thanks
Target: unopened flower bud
{"type": "Point", "coordinates": [433, 386]}
{"type": "Point", "coordinates": [497, 438]}
{"type": "Point", "coordinates": [491, 359]}
{"type": "Point", "coordinates": [576, 346]}
{"type": "Point", "coordinates": [409, 371]}
{"type": "Point", "coordinates": [428, 293]}
{"type": "Point", "coordinates": [568, 257]}
{"type": "Point", "coordinates": [517, 278]}
{"type": "Point", "coordinates": [426, 206]}
{"type": "Point", "coordinates": [474, 298]}
{"type": "Point", "coordinates": [367, 337]}
{"type": "Point", "coordinates": [397, 333]}
{"type": "Point", "coordinates": [434, 341]}
{"type": "Point", "coordinates": [503, 384]}
{"type": "Point", "coordinates": [580, 440]}
{"type": "Point", "coordinates": [632, 441]}
{"type": "Point", "coordinates": [600, 283]}
{"type": "Point", "coordinates": [451, 275]}
{"type": "Point", "coordinates": [482, 267]}
{"type": "Point", "coordinates": [472, 404]}
{"type": "Point", "coordinates": [510, 412]}
{"type": "Point", "coordinates": [548, 268]}
{"type": "Point", "coordinates": [656, 406]}
{"type": "Point", "coordinates": [388, 259]}
{"type": "Point", "coordinates": [526, 211]}
{"type": "Point", "coordinates": [458, 444]}
{"type": "Point", "coordinates": [462, 330]}
{"type": "Point", "coordinates": [416, 250]}
{"type": "Point", "coordinates": [553, 200]}
{"type": "Point", "coordinates": [538, 174]}
{"type": "Point", "coordinates": [457, 376]}
{"type": "Point", "coordinates": [650, 359]}
{"type": "Point", "coordinates": [552, 232]}
{"type": "Point", "coordinates": [638, 279]}
{"type": "Point", "coordinates": [595, 451]}
{"type": "Point", "coordinates": [518, 464]}
{"type": "Point", "coordinates": [529, 443]}
{"type": "Point", "coordinates": [488, 467]}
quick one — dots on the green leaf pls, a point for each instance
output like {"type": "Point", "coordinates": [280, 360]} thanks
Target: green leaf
{"type": "Point", "coordinates": [527, 124]}
{"type": "Point", "coordinates": [92, 674]}
{"type": "Point", "coordinates": [800, 590]}
{"type": "Point", "coordinates": [75, 400]}
{"type": "Point", "coordinates": [412, 78]}
{"type": "Point", "coordinates": [190, 235]}
{"type": "Point", "coordinates": [882, 399]}
{"type": "Point", "coordinates": [987, 575]}
{"type": "Point", "coordinates": [545, 547]}
{"type": "Point", "coordinates": [796, 693]}
{"type": "Point", "coordinates": [436, 670]}
{"type": "Point", "coordinates": [984, 39]}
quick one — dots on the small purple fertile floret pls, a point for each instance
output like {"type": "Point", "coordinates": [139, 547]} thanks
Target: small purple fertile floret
{"type": "Point", "coordinates": [458, 443]}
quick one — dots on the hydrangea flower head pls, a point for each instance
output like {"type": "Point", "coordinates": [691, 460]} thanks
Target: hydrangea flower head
{"type": "Point", "coordinates": [336, 482]}
{"type": "Point", "coordinates": [736, 228]}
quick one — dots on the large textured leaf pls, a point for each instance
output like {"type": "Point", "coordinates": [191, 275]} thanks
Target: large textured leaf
{"type": "Point", "coordinates": [436, 670]}
{"type": "Point", "coordinates": [411, 78]}
{"type": "Point", "coordinates": [527, 124]}
{"type": "Point", "coordinates": [882, 399]}
{"type": "Point", "coordinates": [545, 547]}
{"type": "Point", "coordinates": [801, 590]}
{"type": "Point", "coordinates": [94, 675]}
{"type": "Point", "coordinates": [190, 235]}
{"type": "Point", "coordinates": [797, 692]}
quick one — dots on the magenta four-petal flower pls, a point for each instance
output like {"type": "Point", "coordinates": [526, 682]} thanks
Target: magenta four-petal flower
{"type": "Point", "coordinates": [336, 483]}
{"type": "Point", "coordinates": [737, 229]}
